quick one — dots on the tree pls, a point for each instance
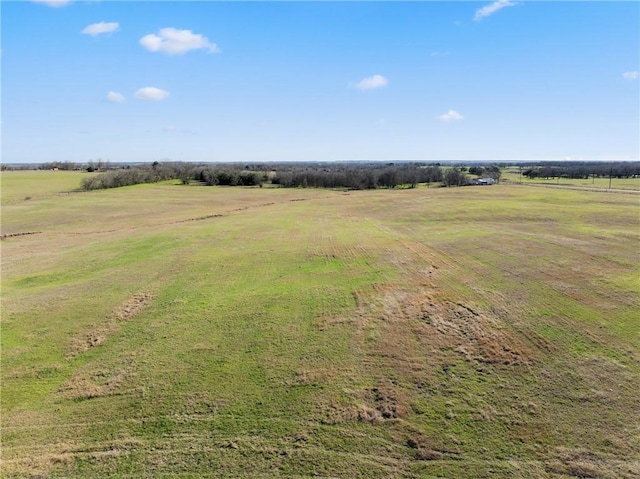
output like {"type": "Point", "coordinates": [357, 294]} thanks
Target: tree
{"type": "Point", "coordinates": [492, 171]}
{"type": "Point", "coordinates": [455, 177]}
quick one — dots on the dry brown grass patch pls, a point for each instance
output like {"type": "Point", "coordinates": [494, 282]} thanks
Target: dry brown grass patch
{"type": "Point", "coordinates": [85, 384]}
{"type": "Point", "coordinates": [85, 341]}
{"type": "Point", "coordinates": [340, 413]}
{"type": "Point", "coordinates": [132, 306]}
{"type": "Point", "coordinates": [424, 448]}
{"type": "Point", "coordinates": [384, 402]}
{"type": "Point", "coordinates": [438, 324]}
{"type": "Point", "coordinates": [477, 335]}
{"type": "Point", "coordinates": [98, 334]}
{"type": "Point", "coordinates": [39, 465]}
{"type": "Point", "coordinates": [581, 463]}
{"type": "Point", "coordinates": [390, 401]}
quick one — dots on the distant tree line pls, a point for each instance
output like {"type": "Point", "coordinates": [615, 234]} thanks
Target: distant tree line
{"type": "Point", "coordinates": [356, 175]}
{"type": "Point", "coordinates": [213, 176]}
{"type": "Point", "coordinates": [98, 165]}
{"type": "Point", "coordinates": [128, 176]}
{"type": "Point", "coordinates": [292, 175]}
{"type": "Point", "coordinates": [60, 165]}
{"type": "Point", "coordinates": [583, 170]}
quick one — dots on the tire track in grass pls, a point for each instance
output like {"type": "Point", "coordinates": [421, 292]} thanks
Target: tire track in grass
{"type": "Point", "coordinates": [233, 458]}
{"type": "Point", "coordinates": [13, 235]}
{"type": "Point", "coordinates": [147, 226]}
{"type": "Point", "coordinates": [196, 443]}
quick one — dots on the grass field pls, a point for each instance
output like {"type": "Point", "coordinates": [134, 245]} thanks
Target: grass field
{"type": "Point", "coordinates": [513, 174]}
{"type": "Point", "coordinates": [186, 331]}
{"type": "Point", "coordinates": [29, 184]}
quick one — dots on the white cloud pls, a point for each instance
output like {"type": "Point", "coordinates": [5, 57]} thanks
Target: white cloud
{"type": "Point", "coordinates": [440, 54]}
{"type": "Point", "coordinates": [371, 83]}
{"type": "Point", "coordinates": [151, 93]}
{"type": "Point", "coordinates": [451, 115]}
{"type": "Point", "coordinates": [114, 97]}
{"type": "Point", "coordinates": [177, 42]}
{"type": "Point", "coordinates": [492, 8]}
{"type": "Point", "coordinates": [630, 75]}
{"type": "Point", "coordinates": [53, 3]}
{"type": "Point", "coordinates": [98, 28]}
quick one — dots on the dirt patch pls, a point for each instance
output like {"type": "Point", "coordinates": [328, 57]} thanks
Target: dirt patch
{"type": "Point", "coordinates": [88, 385]}
{"type": "Point", "coordinates": [85, 341]}
{"type": "Point", "coordinates": [384, 402]}
{"type": "Point", "coordinates": [340, 413]}
{"type": "Point", "coordinates": [99, 333]}
{"type": "Point", "coordinates": [133, 306]}
{"type": "Point", "coordinates": [390, 401]}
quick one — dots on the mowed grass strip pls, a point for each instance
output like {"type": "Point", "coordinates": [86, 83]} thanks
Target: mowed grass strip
{"type": "Point", "coordinates": [230, 332]}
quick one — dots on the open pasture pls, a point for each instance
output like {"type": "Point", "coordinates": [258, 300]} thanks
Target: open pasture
{"type": "Point", "coordinates": [165, 330]}
{"type": "Point", "coordinates": [29, 184]}
{"type": "Point", "coordinates": [601, 182]}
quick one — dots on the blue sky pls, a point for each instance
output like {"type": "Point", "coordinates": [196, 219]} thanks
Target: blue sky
{"type": "Point", "coordinates": [319, 81]}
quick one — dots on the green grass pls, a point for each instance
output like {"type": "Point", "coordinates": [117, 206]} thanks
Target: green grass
{"type": "Point", "coordinates": [513, 174]}
{"type": "Point", "coordinates": [186, 331]}
{"type": "Point", "coordinates": [26, 185]}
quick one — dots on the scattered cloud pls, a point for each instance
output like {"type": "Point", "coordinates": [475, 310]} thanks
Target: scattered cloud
{"type": "Point", "coordinates": [53, 3]}
{"type": "Point", "coordinates": [177, 42]}
{"type": "Point", "coordinates": [114, 97]}
{"type": "Point", "coordinates": [439, 54]}
{"type": "Point", "coordinates": [98, 28]}
{"type": "Point", "coordinates": [492, 8]}
{"type": "Point", "coordinates": [451, 115]}
{"type": "Point", "coordinates": [371, 83]}
{"type": "Point", "coordinates": [630, 75]}
{"type": "Point", "coordinates": [151, 93]}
